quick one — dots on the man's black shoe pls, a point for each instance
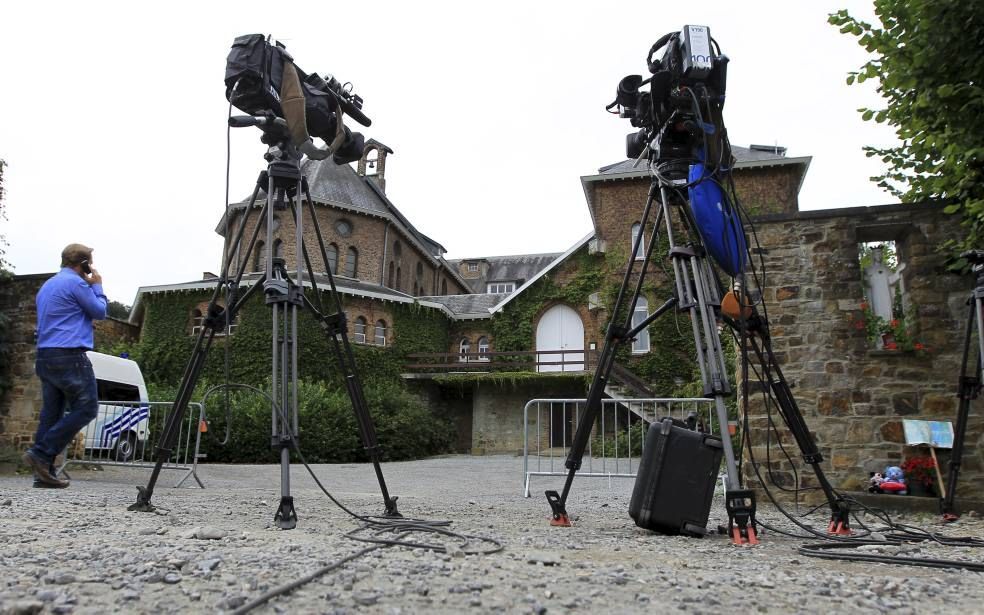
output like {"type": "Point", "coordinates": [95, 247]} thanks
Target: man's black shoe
{"type": "Point", "coordinates": [38, 484]}
{"type": "Point", "coordinates": [42, 473]}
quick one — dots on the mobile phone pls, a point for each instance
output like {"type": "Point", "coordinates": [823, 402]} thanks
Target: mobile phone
{"type": "Point", "coordinates": [85, 267]}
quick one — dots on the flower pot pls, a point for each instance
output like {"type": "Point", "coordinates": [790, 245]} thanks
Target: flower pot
{"type": "Point", "coordinates": [888, 341]}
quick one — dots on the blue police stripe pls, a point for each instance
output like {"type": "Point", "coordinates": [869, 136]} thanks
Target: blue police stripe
{"type": "Point", "coordinates": [128, 418]}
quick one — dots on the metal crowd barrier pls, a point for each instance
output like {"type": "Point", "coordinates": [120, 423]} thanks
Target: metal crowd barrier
{"type": "Point", "coordinates": [126, 433]}
{"type": "Point", "coordinates": [617, 437]}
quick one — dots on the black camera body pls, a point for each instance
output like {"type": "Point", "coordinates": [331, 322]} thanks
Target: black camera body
{"type": "Point", "coordinates": [688, 70]}
{"type": "Point", "coordinates": [254, 79]}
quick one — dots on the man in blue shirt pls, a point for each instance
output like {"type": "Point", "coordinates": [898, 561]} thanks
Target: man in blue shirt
{"type": "Point", "coordinates": [67, 305]}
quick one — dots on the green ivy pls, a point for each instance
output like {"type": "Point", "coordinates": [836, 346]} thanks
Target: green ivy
{"type": "Point", "coordinates": [165, 345]}
{"type": "Point", "coordinates": [672, 355]}
{"type": "Point", "coordinates": [510, 379]}
{"type": "Point", "coordinates": [404, 425]}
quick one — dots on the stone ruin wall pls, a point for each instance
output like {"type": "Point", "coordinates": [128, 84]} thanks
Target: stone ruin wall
{"type": "Point", "coordinates": [853, 397]}
{"type": "Point", "coordinates": [21, 405]}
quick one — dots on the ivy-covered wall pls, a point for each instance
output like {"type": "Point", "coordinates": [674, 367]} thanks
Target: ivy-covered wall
{"type": "Point", "coordinates": [406, 426]}
{"type": "Point", "coordinates": [166, 343]}
{"type": "Point", "coordinates": [669, 366]}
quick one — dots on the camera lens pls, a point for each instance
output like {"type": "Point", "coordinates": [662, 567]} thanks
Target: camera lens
{"type": "Point", "coordinates": [627, 94]}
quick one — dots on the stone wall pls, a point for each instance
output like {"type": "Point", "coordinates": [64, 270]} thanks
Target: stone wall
{"type": "Point", "coordinates": [854, 397]}
{"type": "Point", "coordinates": [497, 409]}
{"type": "Point", "coordinates": [112, 330]}
{"type": "Point", "coordinates": [20, 406]}
{"type": "Point", "coordinates": [617, 205]}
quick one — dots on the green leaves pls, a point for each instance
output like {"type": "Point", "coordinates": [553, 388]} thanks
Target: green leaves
{"type": "Point", "coordinates": [930, 67]}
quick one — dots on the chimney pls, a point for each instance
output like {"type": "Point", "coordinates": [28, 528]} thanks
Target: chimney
{"type": "Point", "coordinates": [373, 163]}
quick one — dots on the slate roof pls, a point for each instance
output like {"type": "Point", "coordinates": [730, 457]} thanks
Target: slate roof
{"type": "Point", "coordinates": [345, 286]}
{"type": "Point", "coordinates": [340, 186]}
{"type": "Point", "coordinates": [475, 306]}
{"type": "Point", "coordinates": [516, 268]}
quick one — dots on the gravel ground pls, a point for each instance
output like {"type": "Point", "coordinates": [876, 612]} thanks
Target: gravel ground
{"type": "Point", "coordinates": [79, 550]}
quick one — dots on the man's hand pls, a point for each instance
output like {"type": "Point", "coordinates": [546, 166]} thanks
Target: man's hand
{"type": "Point", "coordinates": [94, 277]}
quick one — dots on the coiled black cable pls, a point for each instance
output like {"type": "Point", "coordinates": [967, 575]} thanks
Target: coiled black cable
{"type": "Point", "coordinates": [372, 531]}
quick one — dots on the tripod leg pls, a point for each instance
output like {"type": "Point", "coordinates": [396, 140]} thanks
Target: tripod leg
{"type": "Point", "coordinates": [697, 289]}
{"type": "Point", "coordinates": [196, 362]}
{"type": "Point", "coordinates": [336, 329]}
{"type": "Point", "coordinates": [969, 388]}
{"type": "Point", "coordinates": [614, 336]}
{"type": "Point", "coordinates": [840, 511]}
{"type": "Point", "coordinates": [284, 298]}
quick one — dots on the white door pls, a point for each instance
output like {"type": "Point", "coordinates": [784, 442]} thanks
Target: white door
{"type": "Point", "coordinates": [560, 329]}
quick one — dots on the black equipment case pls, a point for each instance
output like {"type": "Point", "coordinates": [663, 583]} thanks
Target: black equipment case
{"type": "Point", "coordinates": [676, 479]}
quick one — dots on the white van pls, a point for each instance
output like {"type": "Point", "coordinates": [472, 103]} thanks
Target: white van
{"type": "Point", "coordinates": [119, 432]}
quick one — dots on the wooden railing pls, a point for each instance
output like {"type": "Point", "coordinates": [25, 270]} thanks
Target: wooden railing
{"type": "Point", "coordinates": [534, 360]}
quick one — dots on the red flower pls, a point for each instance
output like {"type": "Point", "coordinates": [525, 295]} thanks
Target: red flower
{"type": "Point", "coordinates": [894, 323]}
{"type": "Point", "coordinates": [891, 346]}
{"type": "Point", "coordinates": [919, 346]}
{"type": "Point", "coordinates": [864, 305]}
{"type": "Point", "coordinates": [859, 325]}
{"type": "Point", "coordinates": [919, 469]}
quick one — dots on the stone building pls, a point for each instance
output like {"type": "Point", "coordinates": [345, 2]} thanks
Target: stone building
{"type": "Point", "coordinates": [492, 322]}
{"type": "Point", "coordinates": [854, 393]}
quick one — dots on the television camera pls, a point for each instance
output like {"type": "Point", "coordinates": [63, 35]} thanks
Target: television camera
{"type": "Point", "coordinates": [262, 80]}
{"type": "Point", "coordinates": [679, 118]}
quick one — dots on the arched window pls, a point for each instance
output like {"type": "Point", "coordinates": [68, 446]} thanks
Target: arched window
{"type": "Point", "coordinates": [636, 229]}
{"type": "Point", "coordinates": [278, 248]}
{"type": "Point", "coordinates": [392, 272]}
{"type": "Point", "coordinates": [464, 347]}
{"type": "Point", "coordinates": [360, 330]}
{"type": "Point", "coordinates": [483, 348]}
{"type": "Point", "coordinates": [351, 262]}
{"type": "Point", "coordinates": [420, 271]}
{"type": "Point", "coordinates": [380, 337]}
{"type": "Point", "coordinates": [259, 257]}
{"type": "Point", "coordinates": [397, 249]}
{"type": "Point", "coordinates": [399, 278]}
{"type": "Point", "coordinates": [332, 251]}
{"type": "Point", "coordinates": [444, 287]}
{"type": "Point", "coordinates": [640, 344]}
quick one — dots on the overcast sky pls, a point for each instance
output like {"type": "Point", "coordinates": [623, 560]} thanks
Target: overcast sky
{"type": "Point", "coordinates": [113, 118]}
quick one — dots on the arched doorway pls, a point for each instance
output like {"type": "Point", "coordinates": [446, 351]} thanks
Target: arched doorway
{"type": "Point", "coordinates": [560, 328]}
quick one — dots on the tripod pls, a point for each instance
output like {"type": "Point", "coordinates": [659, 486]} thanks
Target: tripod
{"type": "Point", "coordinates": [698, 293]}
{"type": "Point", "coordinates": [283, 182]}
{"type": "Point", "coordinates": [969, 387]}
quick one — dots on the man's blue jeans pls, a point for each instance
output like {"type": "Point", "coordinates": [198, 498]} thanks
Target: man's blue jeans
{"type": "Point", "coordinates": [70, 399]}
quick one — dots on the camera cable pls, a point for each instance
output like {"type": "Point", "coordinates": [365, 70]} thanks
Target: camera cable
{"type": "Point", "coordinates": [896, 535]}
{"type": "Point", "coordinates": [379, 532]}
